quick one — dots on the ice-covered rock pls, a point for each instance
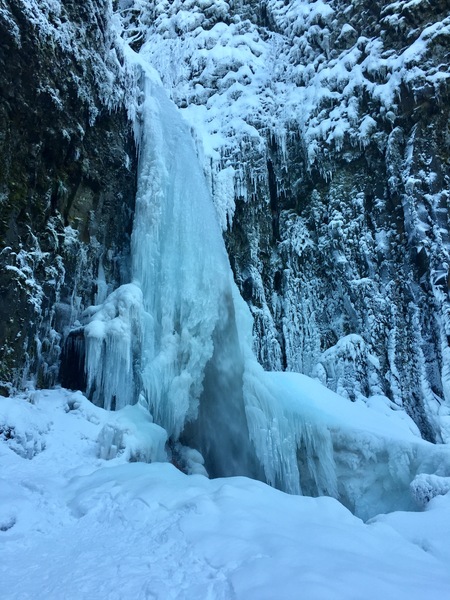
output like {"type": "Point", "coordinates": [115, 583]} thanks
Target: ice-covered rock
{"type": "Point", "coordinates": [426, 487]}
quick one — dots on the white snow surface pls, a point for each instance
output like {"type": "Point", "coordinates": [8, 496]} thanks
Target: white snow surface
{"type": "Point", "coordinates": [74, 525]}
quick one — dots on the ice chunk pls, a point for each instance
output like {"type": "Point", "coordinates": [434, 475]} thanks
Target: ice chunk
{"type": "Point", "coordinates": [131, 432]}
{"type": "Point", "coordinates": [23, 426]}
{"type": "Point", "coordinates": [425, 487]}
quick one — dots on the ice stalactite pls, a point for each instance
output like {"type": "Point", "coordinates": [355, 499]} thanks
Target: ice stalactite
{"type": "Point", "coordinates": [112, 339]}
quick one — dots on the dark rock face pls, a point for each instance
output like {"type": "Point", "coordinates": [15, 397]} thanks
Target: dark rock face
{"type": "Point", "coordinates": [67, 177]}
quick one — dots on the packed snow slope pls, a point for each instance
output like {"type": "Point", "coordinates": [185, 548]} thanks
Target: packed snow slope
{"type": "Point", "coordinates": [78, 521]}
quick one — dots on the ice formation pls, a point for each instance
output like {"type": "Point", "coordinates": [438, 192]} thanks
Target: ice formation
{"type": "Point", "coordinates": [178, 341]}
{"type": "Point", "coordinates": [170, 337]}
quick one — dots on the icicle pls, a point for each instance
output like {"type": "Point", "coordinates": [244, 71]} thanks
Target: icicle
{"type": "Point", "coordinates": [179, 262]}
{"type": "Point", "coordinates": [112, 340]}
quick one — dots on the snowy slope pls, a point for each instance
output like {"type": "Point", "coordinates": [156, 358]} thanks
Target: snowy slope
{"type": "Point", "coordinates": [77, 526]}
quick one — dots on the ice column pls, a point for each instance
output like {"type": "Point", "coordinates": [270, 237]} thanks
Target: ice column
{"type": "Point", "coordinates": [179, 263]}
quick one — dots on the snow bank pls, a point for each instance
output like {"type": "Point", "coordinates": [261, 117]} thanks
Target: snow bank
{"type": "Point", "coordinates": [136, 530]}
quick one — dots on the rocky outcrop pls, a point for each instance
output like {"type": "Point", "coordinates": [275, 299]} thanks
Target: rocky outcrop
{"type": "Point", "coordinates": [360, 228]}
{"type": "Point", "coordinates": [67, 177]}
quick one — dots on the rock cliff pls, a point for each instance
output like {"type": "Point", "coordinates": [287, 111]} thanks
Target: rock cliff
{"type": "Point", "coordinates": [67, 177]}
{"type": "Point", "coordinates": [324, 128]}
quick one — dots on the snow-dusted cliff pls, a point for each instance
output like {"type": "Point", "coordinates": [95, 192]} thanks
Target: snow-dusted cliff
{"type": "Point", "coordinates": [307, 147]}
{"type": "Point", "coordinates": [67, 177]}
{"type": "Point", "coordinates": [323, 130]}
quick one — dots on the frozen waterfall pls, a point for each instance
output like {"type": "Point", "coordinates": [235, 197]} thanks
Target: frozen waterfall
{"type": "Point", "coordinates": [170, 337]}
{"type": "Point", "coordinates": [178, 340]}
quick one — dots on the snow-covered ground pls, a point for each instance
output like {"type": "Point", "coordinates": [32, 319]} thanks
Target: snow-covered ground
{"type": "Point", "coordinates": [74, 525]}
